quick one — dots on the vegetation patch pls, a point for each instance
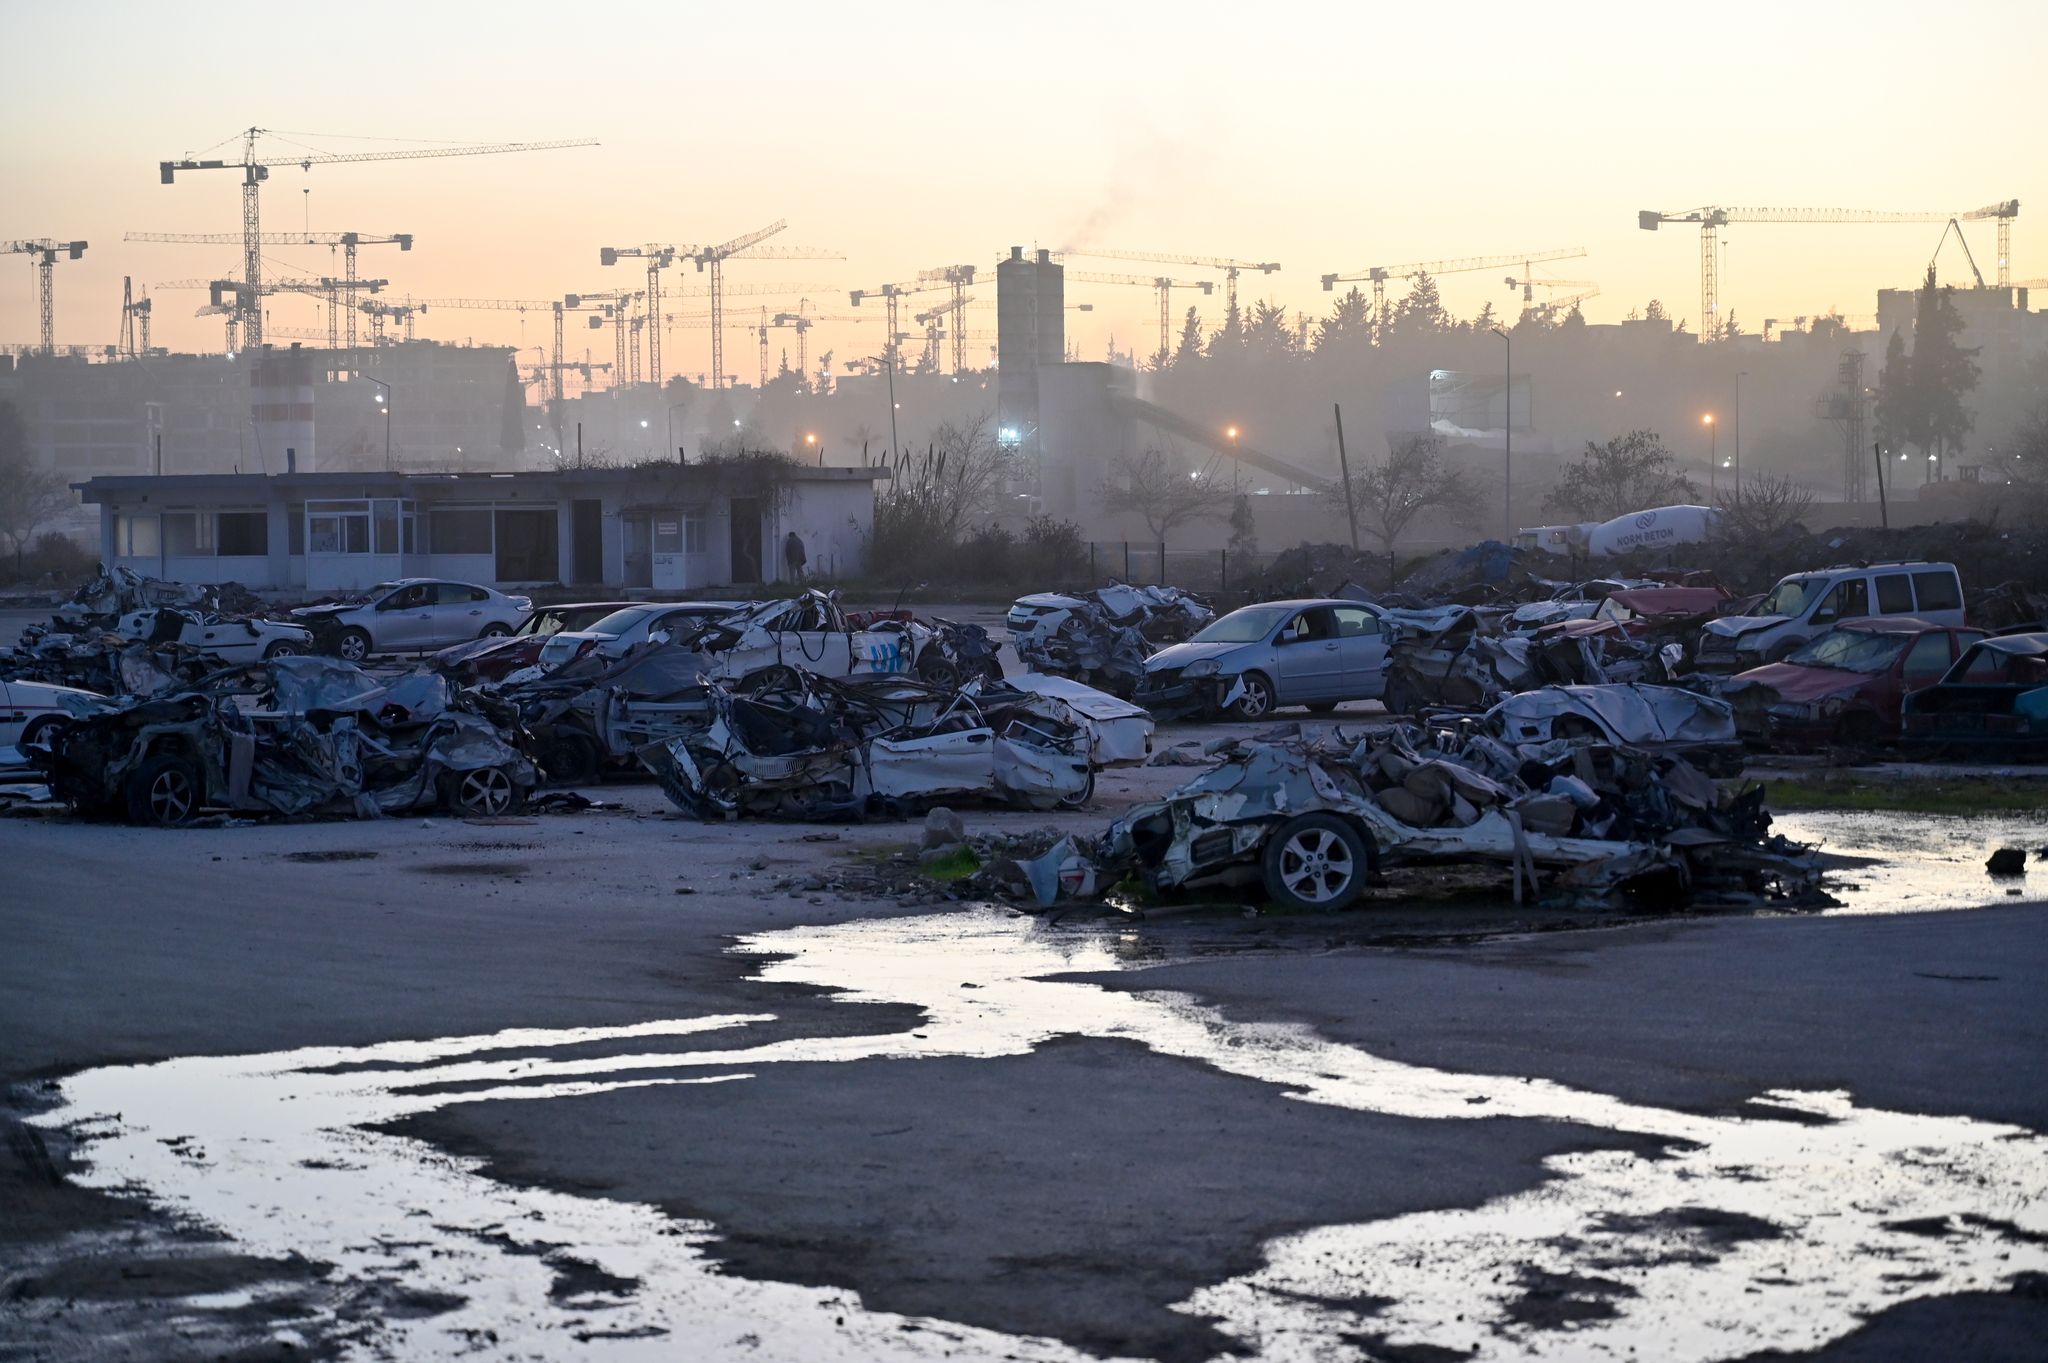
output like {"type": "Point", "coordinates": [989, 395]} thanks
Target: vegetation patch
{"type": "Point", "coordinates": [1910, 795]}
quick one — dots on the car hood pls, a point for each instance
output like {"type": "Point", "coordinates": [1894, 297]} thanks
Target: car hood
{"type": "Point", "coordinates": [321, 612]}
{"type": "Point", "coordinates": [1048, 601]}
{"type": "Point", "coordinates": [1180, 655]}
{"type": "Point", "coordinates": [1734, 626]}
{"type": "Point", "coordinates": [477, 648]}
{"type": "Point", "coordinates": [1803, 685]}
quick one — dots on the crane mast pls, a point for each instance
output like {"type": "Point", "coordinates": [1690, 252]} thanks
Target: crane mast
{"type": "Point", "coordinates": [43, 255]}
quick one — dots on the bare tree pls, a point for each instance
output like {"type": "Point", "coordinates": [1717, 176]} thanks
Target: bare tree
{"type": "Point", "coordinates": [29, 497]}
{"type": "Point", "coordinates": [1633, 472]}
{"type": "Point", "coordinates": [1388, 497]}
{"type": "Point", "coordinates": [1160, 488]}
{"type": "Point", "coordinates": [1761, 509]}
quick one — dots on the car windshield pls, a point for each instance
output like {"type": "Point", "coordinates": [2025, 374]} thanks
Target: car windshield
{"type": "Point", "coordinates": [1791, 597]}
{"type": "Point", "coordinates": [1853, 650]}
{"type": "Point", "coordinates": [365, 597]}
{"type": "Point", "coordinates": [619, 621]}
{"type": "Point", "coordinates": [1246, 626]}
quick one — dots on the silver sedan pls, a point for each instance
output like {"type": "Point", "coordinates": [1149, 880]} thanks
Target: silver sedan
{"type": "Point", "coordinates": [1317, 652]}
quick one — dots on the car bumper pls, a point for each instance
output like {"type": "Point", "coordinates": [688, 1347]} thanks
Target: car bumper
{"type": "Point", "coordinates": [1177, 697]}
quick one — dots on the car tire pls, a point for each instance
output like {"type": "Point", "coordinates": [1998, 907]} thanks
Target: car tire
{"type": "Point", "coordinates": [37, 727]}
{"type": "Point", "coordinates": [166, 791]}
{"type": "Point", "coordinates": [1080, 799]}
{"type": "Point", "coordinates": [571, 759]}
{"type": "Point", "coordinates": [495, 630]}
{"type": "Point", "coordinates": [486, 792]}
{"type": "Point", "coordinates": [1317, 862]}
{"type": "Point", "coordinates": [939, 670]}
{"type": "Point", "coordinates": [1257, 700]}
{"type": "Point", "coordinates": [281, 648]}
{"type": "Point", "coordinates": [774, 677]}
{"type": "Point", "coordinates": [353, 645]}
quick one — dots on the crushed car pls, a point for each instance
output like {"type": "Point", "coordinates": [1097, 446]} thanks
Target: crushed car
{"type": "Point", "coordinates": [298, 735]}
{"type": "Point", "coordinates": [1992, 703]}
{"type": "Point", "coordinates": [1103, 637]}
{"type": "Point", "coordinates": [1659, 719]}
{"type": "Point", "coordinates": [823, 748]}
{"type": "Point", "coordinates": [1312, 821]}
{"type": "Point", "coordinates": [226, 639]}
{"type": "Point", "coordinates": [809, 632]}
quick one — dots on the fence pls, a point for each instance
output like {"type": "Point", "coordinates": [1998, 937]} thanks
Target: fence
{"type": "Point", "coordinates": [1195, 570]}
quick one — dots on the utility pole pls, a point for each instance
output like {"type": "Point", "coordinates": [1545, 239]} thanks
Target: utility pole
{"type": "Point", "coordinates": [1344, 463]}
{"type": "Point", "coordinates": [1507, 464]}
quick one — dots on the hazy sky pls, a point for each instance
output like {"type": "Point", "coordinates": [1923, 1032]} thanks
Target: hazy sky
{"type": "Point", "coordinates": [1327, 137]}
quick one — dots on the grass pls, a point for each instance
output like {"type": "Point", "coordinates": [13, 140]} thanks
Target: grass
{"type": "Point", "coordinates": [958, 864]}
{"type": "Point", "coordinates": [1910, 795]}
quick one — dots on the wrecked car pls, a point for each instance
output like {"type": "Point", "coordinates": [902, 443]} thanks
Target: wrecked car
{"type": "Point", "coordinates": [821, 749]}
{"type": "Point", "coordinates": [1317, 653]}
{"type": "Point", "coordinates": [1572, 601]}
{"type": "Point", "coordinates": [28, 709]}
{"type": "Point", "coordinates": [412, 615]}
{"type": "Point", "coordinates": [1661, 719]}
{"type": "Point", "coordinates": [630, 626]}
{"type": "Point", "coordinates": [1804, 606]}
{"type": "Point", "coordinates": [227, 639]}
{"type": "Point", "coordinates": [1847, 687]}
{"type": "Point", "coordinates": [298, 735]}
{"type": "Point", "coordinates": [112, 593]}
{"type": "Point", "coordinates": [1102, 637]}
{"type": "Point", "coordinates": [808, 632]}
{"type": "Point", "coordinates": [1311, 822]}
{"type": "Point", "coordinates": [496, 658]}
{"type": "Point", "coordinates": [1992, 703]}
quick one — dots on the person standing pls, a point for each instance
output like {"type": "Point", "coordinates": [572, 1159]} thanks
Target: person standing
{"type": "Point", "coordinates": [793, 554]}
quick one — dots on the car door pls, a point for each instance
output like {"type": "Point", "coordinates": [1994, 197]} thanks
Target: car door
{"type": "Point", "coordinates": [12, 718]}
{"type": "Point", "coordinates": [459, 613]}
{"type": "Point", "coordinates": [1362, 647]}
{"type": "Point", "coordinates": [405, 619]}
{"type": "Point", "coordinates": [1307, 661]}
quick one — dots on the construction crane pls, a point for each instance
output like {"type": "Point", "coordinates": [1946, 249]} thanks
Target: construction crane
{"type": "Point", "coordinates": [957, 278]}
{"type": "Point", "coordinates": [743, 247]}
{"type": "Point", "coordinates": [326, 287]}
{"type": "Point", "coordinates": [658, 258]}
{"type": "Point", "coordinates": [893, 295]}
{"type": "Point", "coordinates": [380, 312]}
{"type": "Point", "coordinates": [348, 241]}
{"type": "Point", "coordinates": [1230, 268]}
{"type": "Point", "coordinates": [1569, 303]}
{"type": "Point", "coordinates": [256, 170]}
{"type": "Point", "coordinates": [1378, 275]}
{"type": "Point", "coordinates": [949, 316]}
{"type": "Point", "coordinates": [44, 254]}
{"type": "Point", "coordinates": [134, 320]}
{"type": "Point", "coordinates": [1712, 220]}
{"type": "Point", "coordinates": [1165, 287]}
{"type": "Point", "coordinates": [558, 308]}
{"type": "Point", "coordinates": [1527, 285]}
{"type": "Point", "coordinates": [803, 322]}
{"type": "Point", "coordinates": [614, 306]}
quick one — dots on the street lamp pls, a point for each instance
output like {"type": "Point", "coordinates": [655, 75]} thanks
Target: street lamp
{"type": "Point", "coordinates": [1739, 377]}
{"type": "Point", "coordinates": [1236, 465]}
{"type": "Point", "coordinates": [1713, 456]}
{"type": "Point", "coordinates": [1507, 460]}
{"type": "Point", "coordinates": [384, 401]}
{"type": "Point", "coordinates": [811, 442]}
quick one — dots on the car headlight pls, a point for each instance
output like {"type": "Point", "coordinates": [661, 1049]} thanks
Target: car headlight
{"type": "Point", "coordinates": [1202, 667]}
{"type": "Point", "coordinates": [1830, 707]}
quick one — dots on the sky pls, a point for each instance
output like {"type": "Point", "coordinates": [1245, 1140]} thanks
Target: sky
{"type": "Point", "coordinates": [1327, 137]}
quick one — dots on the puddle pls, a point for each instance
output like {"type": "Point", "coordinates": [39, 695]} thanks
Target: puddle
{"type": "Point", "coordinates": [477, 869]}
{"type": "Point", "coordinates": [1922, 861]}
{"type": "Point", "coordinates": [1778, 1228]}
{"type": "Point", "coordinates": [336, 854]}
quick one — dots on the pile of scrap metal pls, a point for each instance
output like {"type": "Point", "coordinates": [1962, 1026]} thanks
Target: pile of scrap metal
{"type": "Point", "coordinates": [112, 594]}
{"type": "Point", "coordinates": [1312, 822]}
{"type": "Point", "coordinates": [1103, 637]}
{"type": "Point", "coordinates": [125, 634]}
{"type": "Point", "coordinates": [300, 735]}
{"type": "Point", "coordinates": [1466, 657]}
{"type": "Point", "coordinates": [821, 748]}
{"type": "Point", "coordinates": [99, 660]}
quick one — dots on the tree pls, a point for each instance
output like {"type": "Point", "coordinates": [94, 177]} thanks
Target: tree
{"type": "Point", "coordinates": [30, 497]}
{"type": "Point", "coordinates": [1388, 497]}
{"type": "Point", "coordinates": [1653, 311]}
{"type": "Point", "coordinates": [1269, 335]}
{"type": "Point", "coordinates": [1893, 409]}
{"type": "Point", "coordinates": [1483, 320]}
{"type": "Point", "coordinates": [1190, 348]}
{"type": "Point", "coordinates": [1633, 472]}
{"type": "Point", "coordinates": [1348, 327]}
{"type": "Point", "coordinates": [1230, 336]}
{"type": "Point", "coordinates": [1160, 489]}
{"type": "Point", "coordinates": [1943, 373]}
{"type": "Point", "coordinates": [1244, 528]}
{"type": "Point", "coordinates": [1422, 311]}
{"type": "Point", "coordinates": [1761, 510]}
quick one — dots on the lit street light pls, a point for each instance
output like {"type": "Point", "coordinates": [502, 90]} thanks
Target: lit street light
{"type": "Point", "coordinates": [1713, 457]}
{"type": "Point", "coordinates": [383, 401]}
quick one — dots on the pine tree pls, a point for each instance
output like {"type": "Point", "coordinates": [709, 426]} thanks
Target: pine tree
{"type": "Point", "coordinates": [1422, 311]}
{"type": "Point", "coordinates": [1349, 325]}
{"type": "Point", "coordinates": [1230, 338]}
{"type": "Point", "coordinates": [1190, 348]}
{"type": "Point", "coordinates": [1893, 409]}
{"type": "Point", "coordinates": [1943, 373]}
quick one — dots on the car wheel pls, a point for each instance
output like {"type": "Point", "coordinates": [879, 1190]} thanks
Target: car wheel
{"type": "Point", "coordinates": [485, 792]}
{"type": "Point", "coordinates": [282, 648]}
{"type": "Point", "coordinates": [570, 759]}
{"type": "Point", "coordinates": [495, 630]}
{"type": "Point", "coordinates": [1080, 798]}
{"type": "Point", "coordinates": [778, 677]}
{"type": "Point", "coordinates": [353, 646]}
{"type": "Point", "coordinates": [166, 791]}
{"type": "Point", "coordinates": [1257, 700]}
{"type": "Point", "coordinates": [1317, 861]}
{"type": "Point", "coordinates": [39, 728]}
{"type": "Point", "coordinates": [939, 670]}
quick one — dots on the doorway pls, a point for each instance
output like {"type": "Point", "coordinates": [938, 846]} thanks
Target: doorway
{"type": "Point", "coordinates": [746, 539]}
{"type": "Point", "coordinates": [639, 550]}
{"type": "Point", "coordinates": [586, 527]}
{"type": "Point", "coordinates": [528, 545]}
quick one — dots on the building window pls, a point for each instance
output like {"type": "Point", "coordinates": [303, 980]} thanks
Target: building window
{"type": "Point", "coordinates": [296, 535]}
{"type": "Point", "coordinates": [693, 532]}
{"type": "Point", "coordinates": [341, 534]}
{"type": "Point", "coordinates": [459, 530]}
{"type": "Point", "coordinates": [386, 517]}
{"type": "Point", "coordinates": [136, 537]}
{"type": "Point", "coordinates": [243, 533]}
{"type": "Point", "coordinates": [187, 533]}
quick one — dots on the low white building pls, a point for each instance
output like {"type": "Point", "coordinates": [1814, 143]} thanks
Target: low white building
{"type": "Point", "coordinates": [659, 528]}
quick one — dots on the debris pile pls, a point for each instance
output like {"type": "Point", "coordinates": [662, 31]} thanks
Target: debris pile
{"type": "Point", "coordinates": [114, 593]}
{"type": "Point", "coordinates": [1311, 821]}
{"type": "Point", "coordinates": [291, 736]}
{"type": "Point", "coordinates": [1103, 637]}
{"type": "Point", "coordinates": [820, 748]}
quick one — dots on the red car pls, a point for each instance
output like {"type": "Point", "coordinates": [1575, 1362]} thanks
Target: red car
{"type": "Point", "coordinates": [1641, 611]}
{"type": "Point", "coordinates": [1848, 685]}
{"type": "Point", "coordinates": [493, 660]}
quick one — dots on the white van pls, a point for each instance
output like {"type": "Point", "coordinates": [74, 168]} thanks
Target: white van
{"type": "Point", "coordinates": [1805, 606]}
